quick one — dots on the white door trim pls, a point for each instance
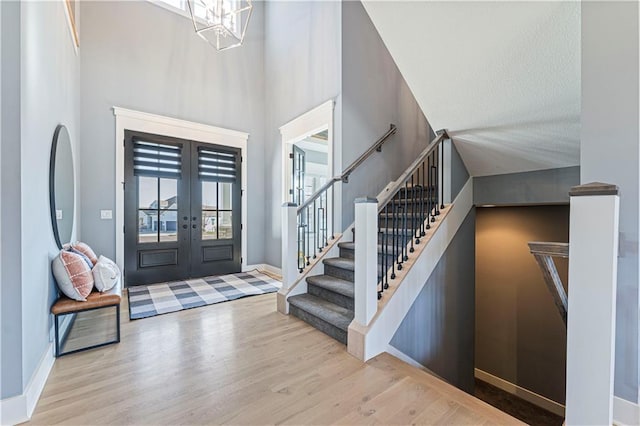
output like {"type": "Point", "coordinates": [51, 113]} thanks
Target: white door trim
{"type": "Point", "coordinates": [173, 127]}
{"type": "Point", "coordinates": [311, 122]}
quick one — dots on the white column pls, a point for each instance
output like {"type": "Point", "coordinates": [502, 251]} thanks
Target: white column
{"type": "Point", "coordinates": [593, 266]}
{"type": "Point", "coordinates": [366, 260]}
{"type": "Point", "coordinates": [289, 244]}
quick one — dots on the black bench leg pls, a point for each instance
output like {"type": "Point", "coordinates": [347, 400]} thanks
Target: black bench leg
{"type": "Point", "coordinates": [57, 337]}
{"type": "Point", "coordinates": [118, 322]}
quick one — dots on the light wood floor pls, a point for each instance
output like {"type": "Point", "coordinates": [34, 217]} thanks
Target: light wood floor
{"type": "Point", "coordinates": [242, 362]}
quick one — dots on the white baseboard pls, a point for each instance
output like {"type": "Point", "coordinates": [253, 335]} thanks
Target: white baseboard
{"type": "Point", "coordinates": [264, 267]}
{"type": "Point", "coordinates": [625, 412]}
{"type": "Point", "coordinates": [19, 409]}
{"type": "Point", "coordinates": [521, 392]}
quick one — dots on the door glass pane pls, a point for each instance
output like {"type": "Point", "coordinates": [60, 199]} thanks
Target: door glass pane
{"type": "Point", "coordinates": [168, 194]}
{"type": "Point", "coordinates": [147, 226]}
{"type": "Point", "coordinates": [168, 225]}
{"type": "Point", "coordinates": [147, 192]}
{"type": "Point", "coordinates": [209, 225]}
{"type": "Point", "coordinates": [224, 195]}
{"type": "Point", "coordinates": [209, 195]}
{"type": "Point", "coordinates": [225, 230]}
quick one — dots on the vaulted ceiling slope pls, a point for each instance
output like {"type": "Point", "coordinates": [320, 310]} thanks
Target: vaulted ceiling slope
{"type": "Point", "coordinates": [503, 77]}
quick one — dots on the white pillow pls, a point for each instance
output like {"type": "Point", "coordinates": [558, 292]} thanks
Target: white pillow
{"type": "Point", "coordinates": [106, 274]}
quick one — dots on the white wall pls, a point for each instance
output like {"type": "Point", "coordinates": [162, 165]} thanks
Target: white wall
{"type": "Point", "coordinates": [49, 96]}
{"type": "Point", "coordinates": [609, 152]}
{"type": "Point", "coordinates": [303, 62]}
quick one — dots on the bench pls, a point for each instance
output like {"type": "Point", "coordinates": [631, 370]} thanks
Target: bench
{"type": "Point", "coordinates": [95, 300]}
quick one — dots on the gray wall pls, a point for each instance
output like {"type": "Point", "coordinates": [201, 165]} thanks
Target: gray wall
{"type": "Point", "coordinates": [302, 66]}
{"type": "Point", "coordinates": [438, 330]}
{"type": "Point", "coordinates": [609, 152]}
{"type": "Point", "coordinates": [459, 172]}
{"type": "Point", "coordinates": [137, 55]}
{"type": "Point", "coordinates": [10, 220]}
{"type": "Point", "coordinates": [374, 94]}
{"type": "Point", "coordinates": [49, 96]}
{"type": "Point", "coordinates": [520, 336]}
{"type": "Point", "coordinates": [538, 187]}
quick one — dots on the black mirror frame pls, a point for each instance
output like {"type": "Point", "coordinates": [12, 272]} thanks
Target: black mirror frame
{"type": "Point", "coordinates": [52, 181]}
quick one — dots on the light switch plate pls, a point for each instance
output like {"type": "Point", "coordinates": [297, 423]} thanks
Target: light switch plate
{"type": "Point", "coordinates": [59, 214]}
{"type": "Point", "coordinates": [106, 214]}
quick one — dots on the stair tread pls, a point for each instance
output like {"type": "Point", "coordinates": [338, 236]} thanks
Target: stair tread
{"type": "Point", "coordinates": [340, 262]}
{"type": "Point", "coordinates": [330, 312]}
{"type": "Point", "coordinates": [334, 284]}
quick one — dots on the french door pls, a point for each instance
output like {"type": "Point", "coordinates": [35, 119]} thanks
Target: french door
{"type": "Point", "coordinates": [182, 209]}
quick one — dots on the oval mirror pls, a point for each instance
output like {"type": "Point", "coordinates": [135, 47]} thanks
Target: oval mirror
{"type": "Point", "coordinates": [61, 186]}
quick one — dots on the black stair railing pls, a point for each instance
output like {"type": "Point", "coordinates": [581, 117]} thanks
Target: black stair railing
{"type": "Point", "coordinates": [315, 219]}
{"type": "Point", "coordinates": [406, 213]}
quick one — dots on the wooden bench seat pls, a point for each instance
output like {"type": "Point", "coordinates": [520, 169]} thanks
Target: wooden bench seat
{"type": "Point", "coordinates": [95, 300]}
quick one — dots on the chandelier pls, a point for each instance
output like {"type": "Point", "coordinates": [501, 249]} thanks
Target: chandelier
{"type": "Point", "coordinates": [222, 23]}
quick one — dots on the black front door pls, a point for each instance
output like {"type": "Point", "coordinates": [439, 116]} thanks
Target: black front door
{"type": "Point", "coordinates": [182, 209]}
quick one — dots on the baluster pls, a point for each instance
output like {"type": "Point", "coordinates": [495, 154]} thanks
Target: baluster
{"type": "Point", "coordinates": [441, 175]}
{"type": "Point", "coordinates": [422, 218]}
{"type": "Point", "coordinates": [308, 238]}
{"type": "Point", "coordinates": [394, 250]}
{"type": "Point", "coordinates": [333, 210]}
{"type": "Point", "coordinates": [428, 225]}
{"type": "Point", "coordinates": [315, 230]}
{"type": "Point", "coordinates": [326, 222]}
{"type": "Point", "coordinates": [437, 153]}
{"type": "Point", "coordinates": [384, 242]}
{"type": "Point", "coordinates": [300, 244]}
{"type": "Point", "coordinates": [410, 215]}
{"type": "Point", "coordinates": [434, 198]}
{"type": "Point", "coordinates": [404, 222]}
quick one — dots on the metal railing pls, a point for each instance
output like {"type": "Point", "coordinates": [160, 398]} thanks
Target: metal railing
{"type": "Point", "coordinates": [315, 215]}
{"type": "Point", "coordinates": [407, 211]}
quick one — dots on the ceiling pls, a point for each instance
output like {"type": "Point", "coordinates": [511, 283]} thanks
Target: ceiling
{"type": "Point", "coordinates": [502, 77]}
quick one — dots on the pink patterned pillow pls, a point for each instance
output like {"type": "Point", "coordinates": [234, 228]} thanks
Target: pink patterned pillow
{"type": "Point", "coordinates": [73, 275]}
{"type": "Point", "coordinates": [86, 250]}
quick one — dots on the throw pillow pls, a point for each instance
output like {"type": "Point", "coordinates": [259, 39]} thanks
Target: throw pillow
{"type": "Point", "coordinates": [86, 250]}
{"type": "Point", "coordinates": [73, 275]}
{"type": "Point", "coordinates": [106, 274]}
{"type": "Point", "coordinates": [81, 254]}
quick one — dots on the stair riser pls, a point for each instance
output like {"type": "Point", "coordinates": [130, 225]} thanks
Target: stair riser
{"type": "Point", "coordinates": [325, 327]}
{"type": "Point", "coordinates": [344, 274]}
{"type": "Point", "coordinates": [347, 253]}
{"type": "Point", "coordinates": [330, 296]}
{"type": "Point", "coordinates": [389, 253]}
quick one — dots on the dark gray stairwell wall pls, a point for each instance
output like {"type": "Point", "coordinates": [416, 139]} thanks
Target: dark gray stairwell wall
{"type": "Point", "coordinates": [438, 331]}
{"type": "Point", "coordinates": [538, 187]}
{"type": "Point", "coordinates": [374, 94]}
{"type": "Point", "coordinates": [459, 173]}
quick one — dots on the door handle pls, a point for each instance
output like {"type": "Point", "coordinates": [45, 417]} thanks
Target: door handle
{"type": "Point", "coordinates": [194, 226]}
{"type": "Point", "coordinates": [185, 226]}
{"type": "Point", "coordinates": [194, 218]}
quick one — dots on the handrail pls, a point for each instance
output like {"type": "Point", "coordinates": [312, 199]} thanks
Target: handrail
{"type": "Point", "coordinates": [544, 252]}
{"type": "Point", "coordinates": [391, 192]}
{"type": "Point", "coordinates": [344, 177]}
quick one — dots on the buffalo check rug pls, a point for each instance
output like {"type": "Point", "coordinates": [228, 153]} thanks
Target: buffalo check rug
{"type": "Point", "coordinates": [150, 300]}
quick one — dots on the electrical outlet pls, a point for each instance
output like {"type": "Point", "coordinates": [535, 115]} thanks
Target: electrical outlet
{"type": "Point", "coordinates": [59, 214]}
{"type": "Point", "coordinates": [106, 214]}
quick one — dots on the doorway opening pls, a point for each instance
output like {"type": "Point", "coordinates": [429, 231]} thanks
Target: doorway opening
{"type": "Point", "coordinates": [182, 209]}
{"type": "Point", "coordinates": [309, 156]}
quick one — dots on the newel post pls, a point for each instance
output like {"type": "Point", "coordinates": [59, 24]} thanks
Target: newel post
{"type": "Point", "coordinates": [289, 253]}
{"type": "Point", "coordinates": [591, 320]}
{"type": "Point", "coordinates": [366, 260]}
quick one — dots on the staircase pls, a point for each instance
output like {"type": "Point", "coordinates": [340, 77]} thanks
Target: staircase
{"type": "Point", "coordinates": [328, 304]}
{"type": "Point", "coordinates": [401, 216]}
